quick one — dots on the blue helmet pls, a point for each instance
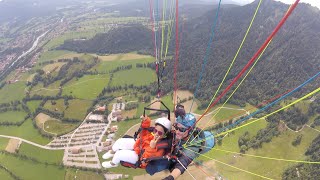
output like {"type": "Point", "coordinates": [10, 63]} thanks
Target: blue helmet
{"type": "Point", "coordinates": [189, 120]}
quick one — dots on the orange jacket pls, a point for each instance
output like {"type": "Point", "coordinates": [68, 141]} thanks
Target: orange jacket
{"type": "Point", "coordinates": [145, 138]}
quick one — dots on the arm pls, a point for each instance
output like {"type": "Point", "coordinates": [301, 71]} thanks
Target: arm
{"type": "Point", "coordinates": [186, 157]}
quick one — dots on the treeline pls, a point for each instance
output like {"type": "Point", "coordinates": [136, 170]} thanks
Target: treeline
{"type": "Point", "coordinates": [13, 106]}
{"type": "Point", "coordinates": [306, 171]}
{"type": "Point", "coordinates": [263, 136]}
{"type": "Point", "coordinates": [294, 118]}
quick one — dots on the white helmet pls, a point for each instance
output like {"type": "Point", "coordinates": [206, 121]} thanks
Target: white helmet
{"type": "Point", "coordinates": [165, 122]}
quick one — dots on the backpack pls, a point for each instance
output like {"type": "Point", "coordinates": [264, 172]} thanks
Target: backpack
{"type": "Point", "coordinates": [207, 140]}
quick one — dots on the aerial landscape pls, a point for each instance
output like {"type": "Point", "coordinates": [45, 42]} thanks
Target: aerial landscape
{"type": "Point", "coordinates": [79, 76]}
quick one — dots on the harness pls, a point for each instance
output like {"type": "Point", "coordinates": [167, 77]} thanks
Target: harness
{"type": "Point", "coordinates": [162, 144]}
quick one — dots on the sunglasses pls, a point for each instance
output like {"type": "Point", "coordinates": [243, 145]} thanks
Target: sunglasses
{"type": "Point", "coordinates": [160, 133]}
{"type": "Point", "coordinates": [181, 129]}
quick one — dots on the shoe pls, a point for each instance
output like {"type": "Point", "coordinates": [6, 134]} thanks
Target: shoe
{"type": "Point", "coordinates": [108, 164]}
{"type": "Point", "coordinates": [107, 155]}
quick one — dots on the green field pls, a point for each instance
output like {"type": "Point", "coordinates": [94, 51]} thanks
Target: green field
{"type": "Point", "coordinates": [25, 131]}
{"type": "Point", "coordinates": [44, 91]}
{"type": "Point", "coordinates": [12, 116]}
{"type": "Point", "coordinates": [33, 105]}
{"type": "Point", "coordinates": [42, 155]}
{"type": "Point", "coordinates": [58, 107]}
{"type": "Point", "coordinates": [57, 127]}
{"type": "Point", "coordinates": [138, 77]}
{"type": "Point", "coordinates": [279, 147]}
{"type": "Point", "coordinates": [124, 126]}
{"type": "Point", "coordinates": [82, 175]}
{"type": "Point", "coordinates": [87, 87]}
{"type": "Point", "coordinates": [12, 92]}
{"type": "Point", "coordinates": [106, 66]}
{"type": "Point", "coordinates": [3, 143]}
{"type": "Point", "coordinates": [77, 109]}
{"type": "Point", "coordinates": [5, 175]}
{"type": "Point", "coordinates": [53, 55]}
{"type": "Point", "coordinates": [30, 170]}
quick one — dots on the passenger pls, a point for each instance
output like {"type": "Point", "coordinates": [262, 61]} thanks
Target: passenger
{"type": "Point", "coordinates": [148, 145]}
{"type": "Point", "coordinates": [185, 151]}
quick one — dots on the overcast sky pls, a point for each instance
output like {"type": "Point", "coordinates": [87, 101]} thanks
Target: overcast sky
{"type": "Point", "coordinates": [312, 2]}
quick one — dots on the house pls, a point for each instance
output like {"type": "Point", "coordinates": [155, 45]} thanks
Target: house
{"type": "Point", "coordinates": [75, 151]}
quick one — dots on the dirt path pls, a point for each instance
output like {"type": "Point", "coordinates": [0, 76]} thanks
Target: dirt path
{"type": "Point", "coordinates": [32, 143]}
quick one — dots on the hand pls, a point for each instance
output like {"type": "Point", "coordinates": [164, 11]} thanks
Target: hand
{"type": "Point", "coordinates": [154, 141]}
{"type": "Point", "coordinates": [143, 117]}
{"type": "Point", "coordinates": [170, 177]}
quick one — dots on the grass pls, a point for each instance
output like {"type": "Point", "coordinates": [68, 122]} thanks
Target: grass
{"type": "Point", "coordinates": [5, 175]}
{"type": "Point", "coordinates": [12, 92]}
{"type": "Point", "coordinates": [279, 147]}
{"type": "Point", "coordinates": [106, 66]}
{"type": "Point", "coordinates": [82, 175]}
{"type": "Point", "coordinates": [25, 131]}
{"type": "Point", "coordinates": [55, 67]}
{"type": "Point", "coordinates": [225, 114]}
{"type": "Point", "coordinates": [49, 156]}
{"type": "Point", "coordinates": [77, 109]}
{"type": "Point", "coordinates": [59, 106]}
{"type": "Point", "coordinates": [87, 87]}
{"type": "Point", "coordinates": [29, 170]}
{"type": "Point", "coordinates": [124, 126]}
{"type": "Point", "coordinates": [53, 55]}
{"type": "Point", "coordinates": [57, 127]}
{"type": "Point", "coordinates": [44, 91]}
{"type": "Point", "coordinates": [12, 116]}
{"type": "Point", "coordinates": [33, 105]}
{"type": "Point", "coordinates": [3, 143]}
{"type": "Point", "coordinates": [137, 77]}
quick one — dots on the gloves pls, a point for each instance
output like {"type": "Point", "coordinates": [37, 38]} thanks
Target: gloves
{"type": "Point", "coordinates": [170, 177]}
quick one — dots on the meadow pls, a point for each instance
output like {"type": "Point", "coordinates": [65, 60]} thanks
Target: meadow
{"type": "Point", "coordinates": [42, 155]}
{"type": "Point", "coordinates": [86, 87]}
{"type": "Point", "coordinates": [30, 170]}
{"type": "Point", "coordinates": [12, 116]}
{"type": "Point", "coordinates": [25, 131]}
{"type": "Point", "coordinates": [12, 92]}
{"type": "Point", "coordinates": [58, 127]}
{"type": "Point", "coordinates": [279, 147]}
{"type": "Point", "coordinates": [137, 77]}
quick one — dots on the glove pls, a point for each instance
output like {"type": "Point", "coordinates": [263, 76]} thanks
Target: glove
{"type": "Point", "coordinates": [170, 177]}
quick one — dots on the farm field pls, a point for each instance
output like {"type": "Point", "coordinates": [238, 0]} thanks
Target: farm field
{"type": "Point", "coordinates": [30, 170]}
{"type": "Point", "coordinates": [260, 166]}
{"type": "Point", "coordinates": [3, 143]}
{"type": "Point", "coordinates": [133, 76]}
{"type": "Point", "coordinates": [106, 66]}
{"type": "Point", "coordinates": [12, 116]}
{"type": "Point", "coordinates": [57, 127]}
{"type": "Point", "coordinates": [42, 155]}
{"type": "Point", "coordinates": [25, 131]}
{"type": "Point", "coordinates": [33, 105]}
{"type": "Point", "coordinates": [87, 87]}
{"type": "Point", "coordinates": [12, 92]}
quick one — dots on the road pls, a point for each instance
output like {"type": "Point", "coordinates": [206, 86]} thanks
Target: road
{"type": "Point", "coordinates": [32, 143]}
